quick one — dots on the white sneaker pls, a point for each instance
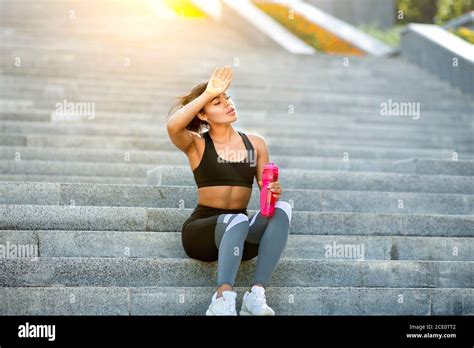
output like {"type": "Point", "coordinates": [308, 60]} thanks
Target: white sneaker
{"type": "Point", "coordinates": [254, 303]}
{"type": "Point", "coordinates": [224, 305]}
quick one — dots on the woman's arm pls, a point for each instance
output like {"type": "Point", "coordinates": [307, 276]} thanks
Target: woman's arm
{"type": "Point", "coordinates": [262, 156]}
{"type": "Point", "coordinates": [262, 159]}
{"type": "Point", "coordinates": [176, 125]}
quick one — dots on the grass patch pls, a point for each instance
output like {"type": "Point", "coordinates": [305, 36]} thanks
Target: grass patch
{"type": "Point", "coordinates": [390, 37]}
{"type": "Point", "coordinates": [312, 34]}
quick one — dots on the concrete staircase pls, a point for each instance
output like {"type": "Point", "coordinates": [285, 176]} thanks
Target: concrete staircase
{"type": "Point", "coordinates": [108, 243]}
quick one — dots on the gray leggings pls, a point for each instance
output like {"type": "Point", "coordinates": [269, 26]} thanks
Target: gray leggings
{"type": "Point", "coordinates": [232, 231]}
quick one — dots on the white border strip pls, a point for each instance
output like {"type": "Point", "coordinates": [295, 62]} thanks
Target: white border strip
{"type": "Point", "coordinates": [270, 27]}
{"type": "Point", "coordinates": [445, 39]}
{"type": "Point", "coordinates": [339, 28]}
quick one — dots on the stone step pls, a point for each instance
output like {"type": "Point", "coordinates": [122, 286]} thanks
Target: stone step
{"type": "Point", "coordinates": [72, 217]}
{"type": "Point", "coordinates": [140, 170]}
{"type": "Point", "coordinates": [258, 116]}
{"type": "Point", "coordinates": [52, 58]}
{"type": "Point", "coordinates": [185, 196]}
{"type": "Point", "coordinates": [80, 49]}
{"type": "Point", "coordinates": [77, 50]}
{"type": "Point", "coordinates": [136, 244]}
{"type": "Point", "coordinates": [72, 179]}
{"type": "Point", "coordinates": [30, 37]}
{"type": "Point", "coordinates": [256, 123]}
{"type": "Point", "coordinates": [316, 65]}
{"type": "Point", "coordinates": [412, 166]}
{"type": "Point", "coordinates": [62, 141]}
{"type": "Point", "coordinates": [427, 123]}
{"type": "Point", "coordinates": [34, 41]}
{"type": "Point", "coordinates": [177, 157]}
{"type": "Point", "coordinates": [408, 76]}
{"type": "Point", "coordinates": [335, 103]}
{"type": "Point", "coordinates": [254, 120]}
{"type": "Point", "coordinates": [363, 151]}
{"type": "Point", "coordinates": [86, 90]}
{"type": "Point", "coordinates": [427, 166]}
{"type": "Point", "coordinates": [304, 111]}
{"type": "Point", "coordinates": [143, 73]}
{"type": "Point", "coordinates": [162, 88]}
{"type": "Point", "coordinates": [138, 272]}
{"type": "Point", "coordinates": [139, 79]}
{"type": "Point", "coordinates": [466, 145]}
{"type": "Point", "coordinates": [336, 180]}
{"type": "Point", "coordinates": [76, 42]}
{"type": "Point", "coordinates": [324, 180]}
{"type": "Point", "coordinates": [327, 103]}
{"type": "Point", "coordinates": [50, 63]}
{"type": "Point", "coordinates": [353, 132]}
{"type": "Point", "coordinates": [195, 300]}
{"type": "Point", "coordinates": [250, 120]}
{"type": "Point", "coordinates": [131, 143]}
{"type": "Point", "coordinates": [74, 168]}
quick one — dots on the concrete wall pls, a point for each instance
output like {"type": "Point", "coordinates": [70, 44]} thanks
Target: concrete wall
{"type": "Point", "coordinates": [380, 13]}
{"type": "Point", "coordinates": [440, 52]}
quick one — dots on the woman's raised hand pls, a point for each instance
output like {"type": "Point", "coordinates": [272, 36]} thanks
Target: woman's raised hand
{"type": "Point", "coordinates": [219, 81]}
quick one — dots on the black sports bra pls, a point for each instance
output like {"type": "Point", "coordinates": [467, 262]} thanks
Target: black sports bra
{"type": "Point", "coordinates": [216, 171]}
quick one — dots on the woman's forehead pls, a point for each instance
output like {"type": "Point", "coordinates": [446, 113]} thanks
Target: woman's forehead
{"type": "Point", "coordinates": [225, 94]}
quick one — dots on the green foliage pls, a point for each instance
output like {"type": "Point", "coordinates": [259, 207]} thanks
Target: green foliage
{"type": "Point", "coordinates": [390, 36]}
{"type": "Point", "coordinates": [420, 11]}
{"type": "Point", "coordinates": [432, 11]}
{"type": "Point", "coordinates": [465, 33]}
{"type": "Point", "coordinates": [448, 10]}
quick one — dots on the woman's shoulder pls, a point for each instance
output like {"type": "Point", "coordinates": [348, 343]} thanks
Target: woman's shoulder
{"type": "Point", "coordinates": [255, 137]}
{"type": "Point", "coordinates": [257, 140]}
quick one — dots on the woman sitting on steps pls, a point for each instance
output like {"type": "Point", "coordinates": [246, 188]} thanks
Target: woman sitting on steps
{"type": "Point", "coordinates": [219, 227]}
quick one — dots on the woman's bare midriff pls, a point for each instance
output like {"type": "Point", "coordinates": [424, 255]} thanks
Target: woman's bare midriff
{"type": "Point", "coordinates": [223, 197]}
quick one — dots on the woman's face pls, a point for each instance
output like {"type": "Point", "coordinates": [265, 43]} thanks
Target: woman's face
{"type": "Point", "coordinates": [220, 109]}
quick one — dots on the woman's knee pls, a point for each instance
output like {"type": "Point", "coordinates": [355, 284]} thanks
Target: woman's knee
{"type": "Point", "coordinates": [230, 220]}
{"type": "Point", "coordinates": [285, 207]}
{"type": "Point", "coordinates": [239, 223]}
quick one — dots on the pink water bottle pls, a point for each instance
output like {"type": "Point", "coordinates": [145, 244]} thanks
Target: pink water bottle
{"type": "Point", "coordinates": [267, 200]}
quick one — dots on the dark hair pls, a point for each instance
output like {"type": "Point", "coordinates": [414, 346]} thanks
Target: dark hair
{"type": "Point", "coordinates": [196, 123]}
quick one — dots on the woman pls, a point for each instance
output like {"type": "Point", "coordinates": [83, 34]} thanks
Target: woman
{"type": "Point", "coordinates": [224, 163]}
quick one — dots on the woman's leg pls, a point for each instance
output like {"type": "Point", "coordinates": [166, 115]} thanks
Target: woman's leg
{"type": "Point", "coordinates": [197, 238]}
{"type": "Point", "coordinates": [271, 234]}
{"type": "Point", "coordinates": [210, 239]}
{"type": "Point", "coordinates": [219, 237]}
{"type": "Point", "coordinates": [230, 234]}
